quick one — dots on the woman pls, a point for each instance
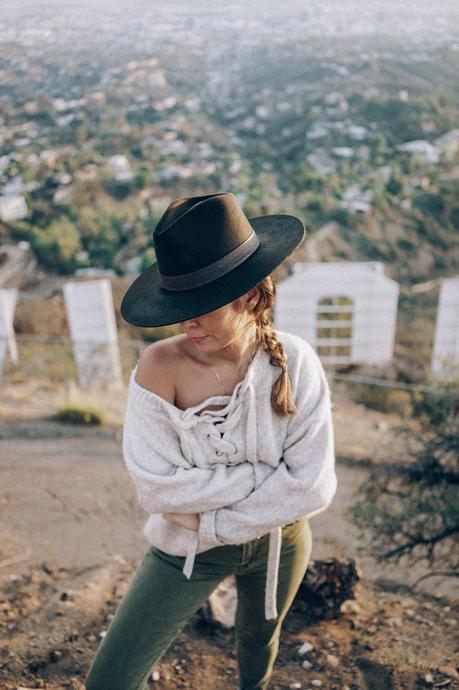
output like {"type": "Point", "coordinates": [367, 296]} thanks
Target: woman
{"type": "Point", "coordinates": [228, 439]}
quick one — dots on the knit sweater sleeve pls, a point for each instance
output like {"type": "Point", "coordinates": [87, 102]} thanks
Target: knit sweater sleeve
{"type": "Point", "coordinates": [163, 479]}
{"type": "Point", "coordinates": [304, 482]}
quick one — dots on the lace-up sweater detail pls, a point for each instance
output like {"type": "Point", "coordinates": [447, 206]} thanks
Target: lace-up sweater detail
{"type": "Point", "coordinates": [244, 469]}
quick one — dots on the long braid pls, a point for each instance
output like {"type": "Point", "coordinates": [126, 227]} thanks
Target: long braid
{"type": "Point", "coordinates": [281, 394]}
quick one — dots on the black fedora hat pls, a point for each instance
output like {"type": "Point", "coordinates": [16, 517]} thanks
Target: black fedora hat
{"type": "Point", "coordinates": [208, 253]}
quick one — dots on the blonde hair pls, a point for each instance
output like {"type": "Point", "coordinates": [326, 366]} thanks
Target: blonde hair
{"type": "Point", "coordinates": [281, 393]}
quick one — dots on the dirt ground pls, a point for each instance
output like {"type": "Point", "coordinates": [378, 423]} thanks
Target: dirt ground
{"type": "Point", "coordinates": [73, 539]}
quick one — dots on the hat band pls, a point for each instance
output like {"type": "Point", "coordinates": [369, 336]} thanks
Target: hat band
{"type": "Point", "coordinates": [206, 274]}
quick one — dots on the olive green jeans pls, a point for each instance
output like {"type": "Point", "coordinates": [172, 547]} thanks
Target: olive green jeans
{"type": "Point", "coordinates": [160, 600]}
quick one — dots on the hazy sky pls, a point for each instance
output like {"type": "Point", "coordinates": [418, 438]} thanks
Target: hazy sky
{"type": "Point", "coordinates": [294, 6]}
{"type": "Point", "coordinates": [394, 17]}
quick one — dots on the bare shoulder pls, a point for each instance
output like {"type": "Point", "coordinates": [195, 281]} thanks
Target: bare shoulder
{"type": "Point", "coordinates": [157, 365]}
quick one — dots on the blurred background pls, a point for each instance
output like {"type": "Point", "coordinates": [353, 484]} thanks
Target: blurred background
{"type": "Point", "coordinates": [347, 117]}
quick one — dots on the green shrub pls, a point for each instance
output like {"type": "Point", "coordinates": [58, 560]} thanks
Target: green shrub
{"type": "Point", "coordinates": [78, 415]}
{"type": "Point", "coordinates": [382, 399]}
{"type": "Point", "coordinates": [341, 216]}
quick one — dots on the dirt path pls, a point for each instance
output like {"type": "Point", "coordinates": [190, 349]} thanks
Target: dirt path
{"type": "Point", "coordinates": [70, 500]}
{"type": "Point", "coordinates": [74, 538]}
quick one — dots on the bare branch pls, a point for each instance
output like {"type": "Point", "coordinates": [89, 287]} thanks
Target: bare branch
{"type": "Point", "coordinates": [418, 542]}
{"type": "Point", "coordinates": [435, 573]}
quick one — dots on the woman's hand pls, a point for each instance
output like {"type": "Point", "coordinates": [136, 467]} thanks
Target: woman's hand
{"type": "Point", "coordinates": [188, 520]}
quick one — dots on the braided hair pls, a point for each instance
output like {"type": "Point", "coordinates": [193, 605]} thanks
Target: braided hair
{"type": "Point", "coordinates": [281, 394]}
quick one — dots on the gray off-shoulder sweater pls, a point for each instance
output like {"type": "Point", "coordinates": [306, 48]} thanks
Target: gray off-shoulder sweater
{"type": "Point", "coordinates": [243, 468]}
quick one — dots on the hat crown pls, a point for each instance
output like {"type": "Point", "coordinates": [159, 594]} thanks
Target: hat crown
{"type": "Point", "coordinates": [197, 231]}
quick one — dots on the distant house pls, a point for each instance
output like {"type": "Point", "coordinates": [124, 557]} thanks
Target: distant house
{"type": "Point", "coordinates": [448, 143]}
{"type": "Point", "coordinates": [12, 208]}
{"type": "Point", "coordinates": [176, 170]}
{"type": "Point", "coordinates": [15, 186]}
{"type": "Point", "coordinates": [321, 162]}
{"type": "Point", "coordinates": [166, 103]}
{"type": "Point", "coordinates": [355, 199]}
{"type": "Point", "coordinates": [49, 157]}
{"type": "Point", "coordinates": [121, 168]}
{"type": "Point", "coordinates": [346, 310]}
{"type": "Point", "coordinates": [87, 173]}
{"type": "Point", "coordinates": [93, 272]}
{"type": "Point", "coordinates": [63, 195]}
{"type": "Point", "coordinates": [343, 151]}
{"type": "Point", "coordinates": [317, 131]}
{"type": "Point", "coordinates": [357, 132]}
{"type": "Point", "coordinates": [176, 147]}
{"type": "Point", "coordinates": [65, 120]}
{"type": "Point", "coordinates": [421, 148]}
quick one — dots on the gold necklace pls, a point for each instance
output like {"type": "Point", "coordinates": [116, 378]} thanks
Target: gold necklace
{"type": "Point", "coordinates": [217, 375]}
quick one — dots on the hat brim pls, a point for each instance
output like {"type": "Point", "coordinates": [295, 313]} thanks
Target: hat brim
{"type": "Point", "coordinates": [147, 304]}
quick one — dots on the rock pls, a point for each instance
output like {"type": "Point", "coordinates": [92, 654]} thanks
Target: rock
{"type": "Point", "coordinates": [72, 636]}
{"type": "Point", "coordinates": [306, 665]}
{"type": "Point", "coordinates": [102, 633]}
{"type": "Point", "coordinates": [75, 684]}
{"type": "Point", "coordinates": [295, 686]}
{"type": "Point", "coordinates": [55, 655]}
{"type": "Point", "coordinates": [316, 683]}
{"type": "Point", "coordinates": [325, 586]}
{"type": "Point", "coordinates": [449, 671]}
{"type": "Point", "coordinates": [350, 606]}
{"type": "Point", "coordinates": [418, 619]}
{"type": "Point", "coordinates": [332, 660]}
{"type": "Point", "coordinates": [395, 620]}
{"type": "Point", "coordinates": [12, 578]}
{"type": "Point", "coordinates": [408, 602]}
{"type": "Point", "coordinates": [428, 679]}
{"type": "Point", "coordinates": [372, 629]}
{"type": "Point", "coordinates": [155, 675]}
{"type": "Point", "coordinates": [356, 625]}
{"type": "Point", "coordinates": [36, 664]}
{"type": "Point", "coordinates": [305, 648]}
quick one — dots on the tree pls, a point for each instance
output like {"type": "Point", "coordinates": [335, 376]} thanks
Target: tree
{"type": "Point", "coordinates": [99, 235]}
{"type": "Point", "coordinates": [412, 509]}
{"type": "Point", "coordinates": [57, 246]}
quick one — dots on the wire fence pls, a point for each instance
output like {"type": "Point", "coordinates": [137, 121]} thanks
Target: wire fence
{"type": "Point", "coordinates": [52, 357]}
